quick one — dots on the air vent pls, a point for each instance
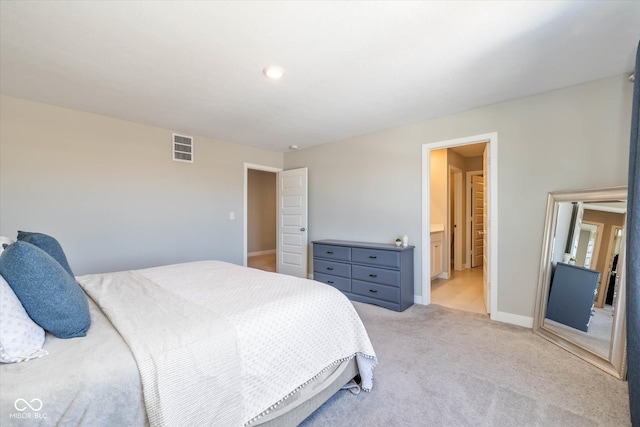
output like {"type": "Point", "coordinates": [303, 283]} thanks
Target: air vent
{"type": "Point", "coordinates": [182, 148]}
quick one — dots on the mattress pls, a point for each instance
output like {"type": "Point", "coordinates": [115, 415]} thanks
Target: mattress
{"type": "Point", "coordinates": [96, 380]}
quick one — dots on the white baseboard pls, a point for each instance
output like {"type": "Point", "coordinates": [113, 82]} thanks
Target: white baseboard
{"type": "Point", "coordinates": [444, 275]}
{"type": "Point", "coordinates": [268, 251]}
{"type": "Point", "coordinates": [514, 319]}
{"type": "Point", "coordinates": [499, 316]}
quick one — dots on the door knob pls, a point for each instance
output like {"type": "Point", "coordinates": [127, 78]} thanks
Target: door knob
{"type": "Point", "coordinates": [303, 229]}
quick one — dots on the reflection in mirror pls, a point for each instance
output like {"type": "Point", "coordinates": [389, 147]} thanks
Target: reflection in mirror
{"type": "Point", "coordinates": [581, 293]}
{"type": "Point", "coordinates": [583, 313]}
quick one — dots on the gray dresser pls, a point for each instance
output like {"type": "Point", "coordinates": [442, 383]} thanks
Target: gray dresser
{"type": "Point", "coordinates": [573, 291]}
{"type": "Point", "coordinates": [374, 273]}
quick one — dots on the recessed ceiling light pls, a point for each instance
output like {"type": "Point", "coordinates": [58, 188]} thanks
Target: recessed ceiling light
{"type": "Point", "coordinates": [273, 72]}
{"type": "Point", "coordinates": [293, 147]}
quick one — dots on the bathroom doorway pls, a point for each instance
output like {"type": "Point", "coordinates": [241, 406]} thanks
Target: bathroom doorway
{"type": "Point", "coordinates": [461, 284]}
{"type": "Point", "coordinates": [460, 294]}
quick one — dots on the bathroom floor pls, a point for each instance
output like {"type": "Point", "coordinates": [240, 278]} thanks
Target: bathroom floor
{"type": "Point", "coordinates": [463, 291]}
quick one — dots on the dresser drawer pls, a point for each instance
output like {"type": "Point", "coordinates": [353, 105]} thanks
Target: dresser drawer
{"type": "Point", "coordinates": [371, 290]}
{"type": "Point", "coordinates": [341, 283]}
{"type": "Point", "coordinates": [376, 275]}
{"type": "Point", "coordinates": [332, 252]}
{"type": "Point", "coordinates": [376, 257]}
{"type": "Point", "coordinates": [331, 267]}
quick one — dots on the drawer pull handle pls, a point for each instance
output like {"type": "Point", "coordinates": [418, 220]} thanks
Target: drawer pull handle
{"type": "Point", "coordinates": [373, 275]}
{"type": "Point", "coordinates": [373, 291]}
{"type": "Point", "coordinates": [329, 268]}
{"type": "Point", "coordinates": [373, 256]}
{"type": "Point", "coordinates": [330, 282]}
{"type": "Point", "coordinates": [330, 252]}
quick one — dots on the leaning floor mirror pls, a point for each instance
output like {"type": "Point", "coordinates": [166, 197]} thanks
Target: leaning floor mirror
{"type": "Point", "coordinates": [581, 290]}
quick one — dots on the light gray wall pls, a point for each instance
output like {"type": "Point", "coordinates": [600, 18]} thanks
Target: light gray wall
{"type": "Point", "coordinates": [109, 191]}
{"type": "Point", "coordinates": [261, 211]}
{"type": "Point", "coordinates": [368, 187]}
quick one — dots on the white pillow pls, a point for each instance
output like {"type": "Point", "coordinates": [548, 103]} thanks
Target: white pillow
{"type": "Point", "coordinates": [4, 241]}
{"type": "Point", "coordinates": [21, 339]}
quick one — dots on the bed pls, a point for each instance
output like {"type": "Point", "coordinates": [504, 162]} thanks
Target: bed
{"type": "Point", "coordinates": [201, 343]}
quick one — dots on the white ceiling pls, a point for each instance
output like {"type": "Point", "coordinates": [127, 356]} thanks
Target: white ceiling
{"type": "Point", "coordinates": [352, 67]}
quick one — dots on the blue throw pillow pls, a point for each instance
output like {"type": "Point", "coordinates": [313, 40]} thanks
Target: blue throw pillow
{"type": "Point", "coordinates": [51, 297]}
{"type": "Point", "coordinates": [47, 244]}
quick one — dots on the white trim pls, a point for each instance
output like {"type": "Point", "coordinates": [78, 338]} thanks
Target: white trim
{"type": "Point", "coordinates": [601, 208]}
{"type": "Point", "coordinates": [417, 299]}
{"type": "Point", "coordinates": [426, 225]}
{"type": "Point", "coordinates": [258, 253]}
{"type": "Point", "coordinates": [248, 166]}
{"type": "Point", "coordinates": [492, 140]}
{"type": "Point", "coordinates": [514, 319]}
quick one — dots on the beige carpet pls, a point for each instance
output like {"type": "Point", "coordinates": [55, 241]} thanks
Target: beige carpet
{"type": "Point", "coordinates": [598, 335]}
{"type": "Point", "coordinates": [444, 367]}
{"type": "Point", "coordinates": [265, 262]}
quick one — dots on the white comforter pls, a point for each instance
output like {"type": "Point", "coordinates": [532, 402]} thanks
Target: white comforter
{"type": "Point", "coordinates": [219, 344]}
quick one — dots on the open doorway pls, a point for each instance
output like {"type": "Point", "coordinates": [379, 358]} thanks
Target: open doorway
{"type": "Point", "coordinates": [437, 217]}
{"type": "Point", "coordinates": [461, 284]}
{"type": "Point", "coordinates": [609, 289]}
{"type": "Point", "coordinates": [275, 219]}
{"type": "Point", "coordinates": [261, 220]}
{"type": "Point", "coordinates": [260, 217]}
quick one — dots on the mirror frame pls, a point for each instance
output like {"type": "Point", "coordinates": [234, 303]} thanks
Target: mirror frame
{"type": "Point", "coordinates": [616, 363]}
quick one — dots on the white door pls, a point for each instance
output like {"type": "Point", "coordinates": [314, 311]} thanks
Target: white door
{"type": "Point", "coordinates": [486, 232]}
{"type": "Point", "coordinates": [291, 251]}
{"type": "Point", "coordinates": [478, 214]}
{"type": "Point", "coordinates": [458, 223]}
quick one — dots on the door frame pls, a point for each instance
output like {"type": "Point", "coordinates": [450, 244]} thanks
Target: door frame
{"type": "Point", "coordinates": [245, 235]}
{"type": "Point", "coordinates": [492, 140]}
{"type": "Point", "coordinates": [596, 245]}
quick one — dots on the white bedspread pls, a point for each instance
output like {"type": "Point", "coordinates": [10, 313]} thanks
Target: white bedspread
{"type": "Point", "coordinates": [219, 344]}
